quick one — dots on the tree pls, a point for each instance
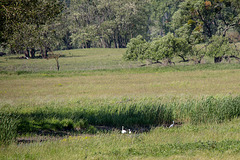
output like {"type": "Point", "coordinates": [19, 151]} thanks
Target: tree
{"type": "Point", "coordinates": [163, 48]}
{"type": "Point", "coordinates": [28, 24]}
{"type": "Point", "coordinates": [220, 48]}
{"type": "Point", "coordinates": [161, 16]}
{"type": "Point", "coordinates": [208, 17]}
{"type": "Point", "coordinates": [105, 23]}
{"type": "Point", "coordinates": [169, 46]}
{"type": "Point", "coordinates": [136, 49]}
{"type": "Point", "coordinates": [200, 20]}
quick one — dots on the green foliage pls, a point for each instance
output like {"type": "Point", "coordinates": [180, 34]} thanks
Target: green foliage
{"type": "Point", "coordinates": [67, 124]}
{"type": "Point", "coordinates": [206, 141]}
{"type": "Point", "coordinates": [30, 24]}
{"type": "Point", "coordinates": [136, 49]}
{"type": "Point", "coordinates": [191, 36]}
{"type": "Point", "coordinates": [219, 46]}
{"type": "Point", "coordinates": [92, 130]}
{"type": "Point", "coordinates": [103, 23]}
{"type": "Point", "coordinates": [161, 16]}
{"type": "Point", "coordinates": [139, 114]}
{"type": "Point", "coordinates": [31, 124]}
{"type": "Point", "coordinates": [81, 124]}
{"type": "Point", "coordinates": [207, 17]}
{"type": "Point", "coordinates": [164, 48]}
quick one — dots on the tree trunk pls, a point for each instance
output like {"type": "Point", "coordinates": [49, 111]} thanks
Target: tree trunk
{"type": "Point", "coordinates": [58, 66]}
{"type": "Point", "coordinates": [27, 53]}
{"type": "Point", "coordinates": [88, 44]}
{"type": "Point", "coordinates": [32, 52]}
{"type": "Point", "coordinates": [218, 59]}
{"type": "Point", "coordinates": [44, 52]}
{"type": "Point", "coordinates": [115, 43]}
{"type": "Point", "coordinates": [183, 58]}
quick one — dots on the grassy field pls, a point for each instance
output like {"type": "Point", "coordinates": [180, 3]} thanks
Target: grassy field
{"type": "Point", "coordinates": [209, 141]}
{"type": "Point", "coordinates": [95, 88]}
{"type": "Point", "coordinates": [71, 60]}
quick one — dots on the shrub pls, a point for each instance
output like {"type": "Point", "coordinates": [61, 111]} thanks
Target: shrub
{"type": "Point", "coordinates": [67, 124]}
{"type": "Point", "coordinates": [136, 49]}
{"type": "Point", "coordinates": [219, 47]}
{"type": "Point", "coordinates": [164, 48]}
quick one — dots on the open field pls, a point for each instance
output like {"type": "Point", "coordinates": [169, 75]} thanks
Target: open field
{"type": "Point", "coordinates": [43, 88]}
{"type": "Point", "coordinates": [71, 60]}
{"type": "Point", "coordinates": [101, 73]}
{"type": "Point", "coordinates": [95, 87]}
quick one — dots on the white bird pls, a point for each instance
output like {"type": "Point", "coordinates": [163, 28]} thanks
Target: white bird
{"type": "Point", "coordinates": [171, 125]}
{"type": "Point", "coordinates": [129, 131]}
{"type": "Point", "coordinates": [123, 131]}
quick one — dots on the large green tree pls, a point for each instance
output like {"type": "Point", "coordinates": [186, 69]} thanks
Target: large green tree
{"type": "Point", "coordinates": [28, 25]}
{"type": "Point", "coordinates": [161, 16]}
{"type": "Point", "coordinates": [208, 17]}
{"type": "Point", "coordinates": [107, 23]}
{"type": "Point", "coordinates": [160, 49]}
{"type": "Point", "coordinates": [199, 20]}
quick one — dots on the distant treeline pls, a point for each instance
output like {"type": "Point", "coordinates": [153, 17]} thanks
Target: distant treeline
{"type": "Point", "coordinates": [28, 26]}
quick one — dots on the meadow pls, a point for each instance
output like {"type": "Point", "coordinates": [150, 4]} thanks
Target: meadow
{"type": "Point", "coordinates": [80, 109]}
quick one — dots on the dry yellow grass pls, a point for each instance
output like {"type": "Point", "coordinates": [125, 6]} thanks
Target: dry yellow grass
{"type": "Point", "coordinates": [191, 84]}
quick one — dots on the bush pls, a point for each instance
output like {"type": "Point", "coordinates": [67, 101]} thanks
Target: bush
{"type": "Point", "coordinates": [136, 49]}
{"type": "Point", "coordinates": [67, 124]}
{"type": "Point", "coordinates": [81, 124]}
{"type": "Point", "coordinates": [164, 48]}
{"type": "Point", "coordinates": [219, 47]}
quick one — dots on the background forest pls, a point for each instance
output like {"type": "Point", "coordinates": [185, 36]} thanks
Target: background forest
{"type": "Point", "coordinates": [32, 26]}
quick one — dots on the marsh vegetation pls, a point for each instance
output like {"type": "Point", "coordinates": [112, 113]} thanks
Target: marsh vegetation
{"type": "Point", "coordinates": [79, 110]}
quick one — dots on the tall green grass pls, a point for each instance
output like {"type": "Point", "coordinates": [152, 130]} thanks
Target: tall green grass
{"type": "Point", "coordinates": [209, 110]}
{"type": "Point", "coordinates": [143, 113]}
{"type": "Point", "coordinates": [8, 127]}
{"type": "Point", "coordinates": [130, 115]}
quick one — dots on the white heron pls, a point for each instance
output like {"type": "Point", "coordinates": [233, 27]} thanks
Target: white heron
{"type": "Point", "coordinates": [123, 131]}
{"type": "Point", "coordinates": [129, 131]}
{"type": "Point", "coordinates": [171, 125]}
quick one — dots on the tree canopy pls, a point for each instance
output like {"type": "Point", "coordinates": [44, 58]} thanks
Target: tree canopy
{"type": "Point", "coordinates": [29, 24]}
{"type": "Point", "coordinates": [167, 27]}
{"type": "Point", "coordinates": [193, 22]}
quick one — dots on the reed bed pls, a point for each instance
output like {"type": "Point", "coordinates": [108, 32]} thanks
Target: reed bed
{"type": "Point", "coordinates": [133, 114]}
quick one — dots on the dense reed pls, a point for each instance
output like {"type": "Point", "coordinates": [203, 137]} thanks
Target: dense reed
{"type": "Point", "coordinates": [143, 113]}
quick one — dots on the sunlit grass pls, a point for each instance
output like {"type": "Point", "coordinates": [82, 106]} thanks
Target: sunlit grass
{"type": "Point", "coordinates": [71, 60]}
{"type": "Point", "coordinates": [190, 84]}
{"type": "Point", "coordinates": [80, 60]}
